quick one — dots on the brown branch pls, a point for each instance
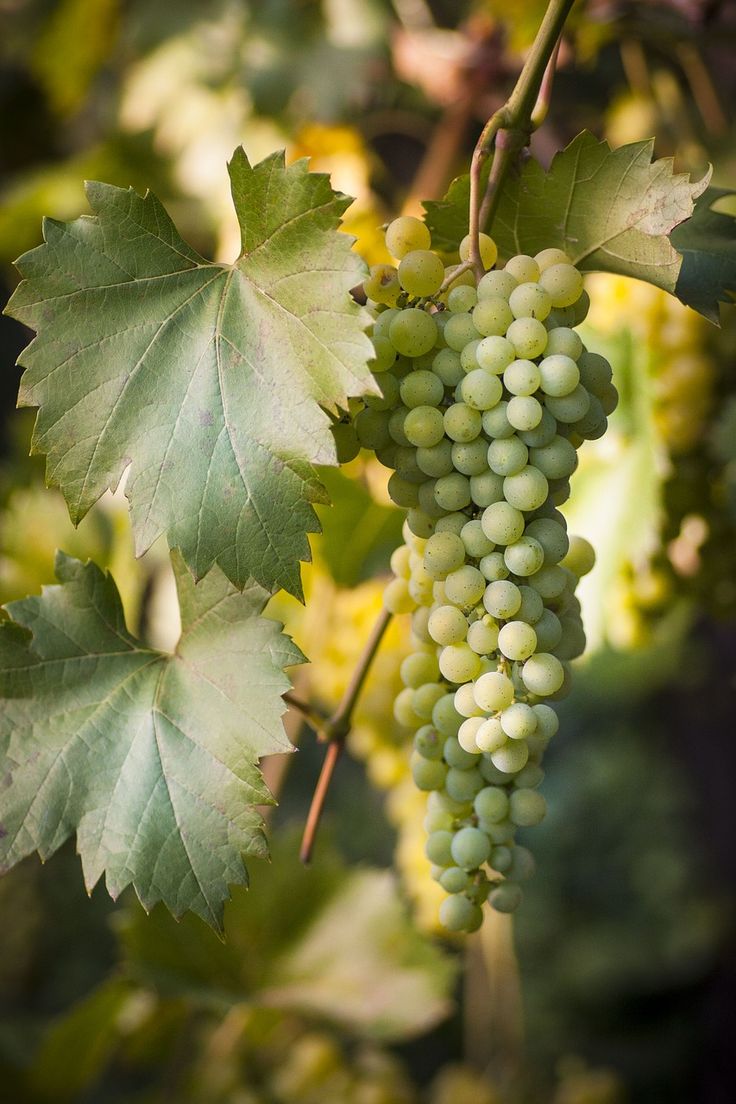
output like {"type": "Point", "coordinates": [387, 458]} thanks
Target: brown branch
{"type": "Point", "coordinates": [336, 730]}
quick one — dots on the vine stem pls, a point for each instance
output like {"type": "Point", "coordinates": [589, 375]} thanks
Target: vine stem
{"type": "Point", "coordinates": [509, 129]}
{"type": "Point", "coordinates": [336, 729]}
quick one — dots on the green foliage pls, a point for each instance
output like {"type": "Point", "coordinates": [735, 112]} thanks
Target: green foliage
{"type": "Point", "coordinates": [610, 210]}
{"type": "Point", "coordinates": [374, 531]}
{"type": "Point", "coordinates": [707, 242]}
{"type": "Point", "coordinates": [206, 378]}
{"type": "Point", "coordinates": [150, 757]}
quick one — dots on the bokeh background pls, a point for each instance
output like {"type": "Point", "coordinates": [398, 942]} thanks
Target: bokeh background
{"type": "Point", "coordinates": [334, 985]}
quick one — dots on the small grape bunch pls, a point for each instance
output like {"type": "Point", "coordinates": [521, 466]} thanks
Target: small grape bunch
{"type": "Point", "coordinates": [487, 393]}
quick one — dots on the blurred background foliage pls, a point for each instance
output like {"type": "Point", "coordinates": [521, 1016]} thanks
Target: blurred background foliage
{"type": "Point", "coordinates": [332, 985]}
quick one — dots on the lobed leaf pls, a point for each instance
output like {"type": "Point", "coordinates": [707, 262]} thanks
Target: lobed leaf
{"type": "Point", "coordinates": [206, 379]}
{"type": "Point", "coordinates": [707, 242]}
{"type": "Point", "coordinates": [150, 757]}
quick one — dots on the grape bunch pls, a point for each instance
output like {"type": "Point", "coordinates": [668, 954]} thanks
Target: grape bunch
{"type": "Point", "coordinates": [486, 392]}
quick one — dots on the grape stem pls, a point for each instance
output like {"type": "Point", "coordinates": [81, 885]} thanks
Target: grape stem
{"type": "Point", "coordinates": [509, 130]}
{"type": "Point", "coordinates": [335, 730]}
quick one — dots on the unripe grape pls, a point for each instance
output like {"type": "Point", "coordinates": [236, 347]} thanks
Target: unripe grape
{"type": "Point", "coordinates": [481, 390]}
{"type": "Point", "coordinates": [511, 757]}
{"type": "Point", "coordinates": [459, 331]}
{"type": "Point", "coordinates": [421, 272]}
{"type": "Point", "coordinates": [458, 914]}
{"type": "Point", "coordinates": [497, 284]}
{"type": "Point", "coordinates": [563, 340]}
{"type": "Point", "coordinates": [418, 668]}
{"type": "Point", "coordinates": [463, 785]}
{"type": "Point", "coordinates": [528, 336]}
{"type": "Point", "coordinates": [462, 422]}
{"type": "Point", "coordinates": [424, 426]}
{"type": "Point", "coordinates": [470, 848]}
{"type": "Point", "coordinates": [428, 774]}
{"type": "Point", "coordinates": [483, 636]}
{"type": "Point", "coordinates": [564, 284]}
{"type": "Point", "coordinates": [530, 300]}
{"type": "Point", "coordinates": [421, 388]}
{"type": "Point", "coordinates": [531, 609]}
{"type": "Point", "coordinates": [413, 332]}
{"type": "Point", "coordinates": [459, 663]}
{"type": "Point", "coordinates": [445, 717]}
{"type": "Point", "coordinates": [406, 233]}
{"type": "Point", "coordinates": [557, 460]}
{"type": "Point", "coordinates": [465, 586]}
{"type": "Point", "coordinates": [502, 523]}
{"type": "Point", "coordinates": [524, 269]}
{"type": "Point", "coordinates": [487, 246]}
{"type": "Point", "coordinates": [524, 412]}
{"type": "Point", "coordinates": [447, 367]}
{"type": "Point", "coordinates": [524, 556]}
{"type": "Point", "coordinates": [527, 808]}
{"type": "Point", "coordinates": [452, 492]}
{"type": "Point", "coordinates": [507, 456]}
{"type": "Point", "coordinates": [428, 742]}
{"type": "Point", "coordinates": [461, 299]}
{"type": "Point", "coordinates": [492, 317]}
{"type": "Point", "coordinates": [552, 537]}
{"type": "Point", "coordinates": [518, 721]}
{"type": "Point", "coordinates": [543, 674]}
{"type": "Point", "coordinates": [494, 354]}
{"type": "Point", "coordinates": [547, 720]}
{"type": "Point", "coordinates": [493, 691]}
{"type": "Point", "coordinates": [496, 424]}
{"type": "Point", "coordinates": [548, 630]}
{"type": "Point", "coordinates": [487, 487]}
{"type": "Point", "coordinates": [493, 567]}
{"type": "Point", "coordinates": [559, 374]}
{"type": "Point", "coordinates": [470, 457]}
{"type": "Point", "coordinates": [522, 377]}
{"type": "Point", "coordinates": [436, 460]}
{"type": "Point", "coordinates": [526, 489]}
{"type": "Point", "coordinates": [474, 539]}
{"type": "Point", "coordinates": [505, 897]}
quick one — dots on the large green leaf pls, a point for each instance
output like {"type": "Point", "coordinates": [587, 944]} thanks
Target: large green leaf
{"type": "Point", "coordinates": [374, 531]}
{"type": "Point", "coordinates": [206, 379]}
{"type": "Point", "coordinates": [707, 242]}
{"type": "Point", "coordinates": [610, 210]}
{"type": "Point", "coordinates": [150, 757]}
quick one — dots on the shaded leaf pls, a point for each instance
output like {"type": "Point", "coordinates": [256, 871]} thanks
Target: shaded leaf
{"type": "Point", "coordinates": [707, 242]}
{"type": "Point", "coordinates": [206, 379]}
{"type": "Point", "coordinates": [358, 533]}
{"type": "Point", "coordinates": [610, 210]}
{"type": "Point", "coordinates": [150, 757]}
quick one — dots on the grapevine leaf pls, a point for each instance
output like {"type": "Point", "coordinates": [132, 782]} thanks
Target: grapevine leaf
{"type": "Point", "coordinates": [206, 379]}
{"type": "Point", "coordinates": [610, 210]}
{"type": "Point", "coordinates": [707, 242]}
{"type": "Point", "coordinates": [151, 757]}
{"type": "Point", "coordinates": [375, 530]}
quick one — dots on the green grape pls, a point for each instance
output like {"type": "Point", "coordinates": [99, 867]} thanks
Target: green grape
{"type": "Point", "coordinates": [413, 332]}
{"type": "Point", "coordinates": [389, 396]}
{"type": "Point", "coordinates": [437, 847]}
{"type": "Point", "coordinates": [445, 717]}
{"type": "Point", "coordinates": [459, 331]}
{"type": "Point", "coordinates": [452, 492]}
{"type": "Point", "coordinates": [512, 757]}
{"type": "Point", "coordinates": [405, 460]}
{"type": "Point", "coordinates": [530, 777]}
{"type": "Point", "coordinates": [580, 559]}
{"type": "Point", "coordinates": [563, 340]}
{"type": "Point", "coordinates": [428, 774]}
{"type": "Point", "coordinates": [474, 539]}
{"type": "Point", "coordinates": [483, 636]}
{"type": "Point", "coordinates": [487, 487]}
{"type": "Point", "coordinates": [426, 697]}
{"type": "Point", "coordinates": [396, 426]}
{"type": "Point", "coordinates": [470, 848]}
{"type": "Point", "coordinates": [500, 859]}
{"type": "Point", "coordinates": [347, 445]}
{"type": "Point", "coordinates": [580, 309]}
{"type": "Point", "coordinates": [497, 284]}
{"type": "Point", "coordinates": [405, 234]}
{"type": "Point", "coordinates": [462, 422]}
{"type": "Point", "coordinates": [522, 862]}
{"type": "Point", "coordinates": [462, 299]}
{"type": "Point", "coordinates": [487, 246]}
{"type": "Point", "coordinates": [569, 408]}
{"type": "Point", "coordinates": [400, 561]}
{"type": "Point", "coordinates": [492, 317]}
{"type": "Point", "coordinates": [459, 663]}
{"type": "Point", "coordinates": [424, 426]}
{"type": "Point", "coordinates": [396, 597]}
{"type": "Point", "coordinates": [608, 399]}
{"type": "Point", "coordinates": [458, 914]}
{"type": "Point", "coordinates": [502, 523]}
{"type": "Point", "coordinates": [548, 257]}
{"type": "Point", "coordinates": [557, 460]}
{"type": "Point", "coordinates": [437, 460]}
{"type": "Point", "coordinates": [385, 355]}
{"type": "Point", "coordinates": [493, 691]}
{"type": "Point", "coordinates": [465, 587]}
{"type": "Point", "coordinates": [418, 668]}
{"type": "Point", "coordinates": [542, 434]}
{"type": "Point", "coordinates": [493, 567]}
{"type": "Point", "coordinates": [595, 372]}
{"type": "Point", "coordinates": [491, 773]}
{"type": "Point", "coordinates": [495, 422]}
{"type": "Point", "coordinates": [420, 524]}
{"type": "Point", "coordinates": [547, 720]}
{"type": "Point", "coordinates": [564, 284]}
{"type": "Point", "coordinates": [507, 456]}
{"type": "Point", "coordinates": [427, 500]}
{"type": "Point", "coordinates": [463, 785]}
{"type": "Point", "coordinates": [490, 736]}
{"type": "Point", "coordinates": [457, 757]}
{"type": "Point", "coordinates": [524, 269]}
{"type": "Point", "coordinates": [437, 820]}
{"type": "Point", "coordinates": [500, 834]}
{"type": "Point", "coordinates": [526, 489]}
{"type": "Point", "coordinates": [465, 702]}
{"type": "Point", "coordinates": [452, 523]}
{"type": "Point", "coordinates": [505, 897]}
{"type": "Point", "coordinates": [454, 879]}
{"type": "Point", "coordinates": [491, 803]}
{"type": "Point", "coordinates": [549, 581]}
{"type": "Point", "coordinates": [447, 625]}
{"type": "Point", "coordinates": [549, 631]}
{"type": "Point", "coordinates": [517, 640]}
{"type": "Point", "coordinates": [524, 412]}
{"type": "Point", "coordinates": [481, 389]}
{"type": "Point", "coordinates": [466, 734]}
{"type": "Point", "coordinates": [447, 366]}
{"type": "Point", "coordinates": [522, 377]}
{"type": "Point", "coordinates": [372, 428]}
{"type": "Point", "coordinates": [593, 424]}
{"type": "Point", "coordinates": [494, 354]}
{"type": "Point", "coordinates": [428, 742]}
{"type": "Point", "coordinates": [502, 598]}
{"type": "Point", "coordinates": [382, 285]}
{"type": "Point", "coordinates": [559, 375]}
{"type": "Point", "coordinates": [530, 301]}
{"type": "Point", "coordinates": [421, 272]}
{"type": "Point", "coordinates": [468, 359]}
{"type": "Point", "coordinates": [421, 388]}
{"type": "Point", "coordinates": [527, 808]}
{"type": "Point", "coordinates": [518, 721]}
{"type": "Point", "coordinates": [524, 556]}
{"type": "Point", "coordinates": [470, 457]}
{"type": "Point", "coordinates": [543, 674]}
{"type": "Point", "coordinates": [382, 322]}
{"type": "Point", "coordinates": [527, 335]}
{"type": "Point", "coordinates": [531, 609]}
{"type": "Point", "coordinates": [572, 643]}
{"type": "Point", "coordinates": [402, 492]}
{"type": "Point", "coordinates": [443, 553]}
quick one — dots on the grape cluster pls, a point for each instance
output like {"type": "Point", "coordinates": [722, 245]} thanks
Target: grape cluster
{"type": "Point", "coordinates": [486, 393]}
